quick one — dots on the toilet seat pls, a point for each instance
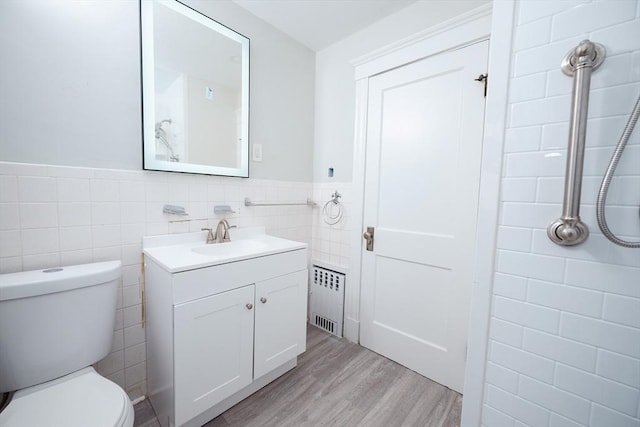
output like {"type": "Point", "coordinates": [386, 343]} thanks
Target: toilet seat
{"type": "Point", "coordinates": [83, 398]}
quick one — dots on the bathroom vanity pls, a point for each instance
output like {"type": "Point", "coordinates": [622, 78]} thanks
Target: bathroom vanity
{"type": "Point", "coordinates": [222, 320]}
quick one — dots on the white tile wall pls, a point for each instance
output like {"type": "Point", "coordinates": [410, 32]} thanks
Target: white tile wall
{"type": "Point", "coordinates": [502, 377]}
{"type": "Point", "coordinates": [565, 326]}
{"type": "Point", "coordinates": [51, 216]}
{"type": "Point", "coordinates": [331, 242]}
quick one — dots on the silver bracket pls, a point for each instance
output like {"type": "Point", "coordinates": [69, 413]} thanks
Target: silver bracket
{"type": "Point", "coordinates": [572, 60]}
{"type": "Point", "coordinates": [567, 232]}
{"type": "Point", "coordinates": [223, 210]}
{"type": "Point", "coordinates": [174, 210]}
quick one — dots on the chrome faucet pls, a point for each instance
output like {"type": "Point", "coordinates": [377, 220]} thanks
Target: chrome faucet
{"type": "Point", "coordinates": [210, 237]}
{"type": "Point", "coordinates": [222, 231]}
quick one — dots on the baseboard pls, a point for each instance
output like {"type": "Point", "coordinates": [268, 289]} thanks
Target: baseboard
{"type": "Point", "coordinates": [351, 330]}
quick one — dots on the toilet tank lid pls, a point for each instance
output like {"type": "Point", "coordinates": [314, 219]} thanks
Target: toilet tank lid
{"type": "Point", "coordinates": [58, 279]}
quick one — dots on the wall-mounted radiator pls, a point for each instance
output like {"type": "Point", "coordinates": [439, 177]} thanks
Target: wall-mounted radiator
{"type": "Point", "coordinates": [327, 299]}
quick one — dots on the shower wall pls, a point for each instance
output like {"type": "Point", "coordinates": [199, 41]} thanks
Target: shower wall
{"type": "Point", "coordinates": [564, 344]}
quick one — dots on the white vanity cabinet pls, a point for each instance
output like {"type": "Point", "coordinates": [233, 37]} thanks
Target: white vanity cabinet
{"type": "Point", "coordinates": [278, 333]}
{"type": "Point", "coordinates": [213, 350]}
{"type": "Point", "coordinates": [217, 334]}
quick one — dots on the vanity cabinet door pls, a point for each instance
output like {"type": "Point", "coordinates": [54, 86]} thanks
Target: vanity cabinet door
{"type": "Point", "coordinates": [213, 350]}
{"type": "Point", "coordinates": [281, 321]}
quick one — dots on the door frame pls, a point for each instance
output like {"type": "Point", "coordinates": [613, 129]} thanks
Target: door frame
{"type": "Point", "coordinates": [463, 30]}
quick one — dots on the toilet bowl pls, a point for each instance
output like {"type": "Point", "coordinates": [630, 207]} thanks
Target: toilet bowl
{"type": "Point", "coordinates": [81, 399]}
{"type": "Point", "coordinates": [54, 324]}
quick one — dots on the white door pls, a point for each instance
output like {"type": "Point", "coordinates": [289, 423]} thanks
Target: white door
{"type": "Point", "coordinates": [281, 321]}
{"type": "Point", "coordinates": [213, 350]}
{"type": "Point", "coordinates": [424, 143]}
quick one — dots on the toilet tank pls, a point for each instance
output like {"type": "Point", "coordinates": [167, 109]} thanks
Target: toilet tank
{"type": "Point", "coordinates": [55, 321]}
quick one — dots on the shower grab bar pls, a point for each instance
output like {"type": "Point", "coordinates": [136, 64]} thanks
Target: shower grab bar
{"type": "Point", "coordinates": [569, 230]}
{"type": "Point", "coordinates": [309, 202]}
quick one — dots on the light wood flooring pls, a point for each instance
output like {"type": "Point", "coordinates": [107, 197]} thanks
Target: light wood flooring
{"type": "Point", "coordinates": [338, 383]}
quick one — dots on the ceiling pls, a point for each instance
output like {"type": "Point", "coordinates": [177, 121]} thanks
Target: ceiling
{"type": "Point", "coordinates": [320, 23]}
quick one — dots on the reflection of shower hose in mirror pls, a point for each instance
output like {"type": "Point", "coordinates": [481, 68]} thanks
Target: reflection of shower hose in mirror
{"type": "Point", "coordinates": [606, 181]}
{"type": "Point", "coordinates": [161, 135]}
{"type": "Point", "coordinates": [332, 210]}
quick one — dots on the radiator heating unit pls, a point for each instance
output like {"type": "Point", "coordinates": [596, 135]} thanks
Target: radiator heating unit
{"type": "Point", "coordinates": [327, 299]}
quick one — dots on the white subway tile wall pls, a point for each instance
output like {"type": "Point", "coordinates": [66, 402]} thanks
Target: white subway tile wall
{"type": "Point", "coordinates": [53, 215]}
{"type": "Point", "coordinates": [565, 325]}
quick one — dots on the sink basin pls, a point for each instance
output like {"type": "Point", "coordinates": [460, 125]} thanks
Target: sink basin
{"type": "Point", "coordinates": [187, 251]}
{"type": "Point", "coordinates": [231, 249]}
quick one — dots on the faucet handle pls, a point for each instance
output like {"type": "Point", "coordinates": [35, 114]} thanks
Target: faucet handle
{"type": "Point", "coordinates": [227, 237]}
{"type": "Point", "coordinates": [210, 238]}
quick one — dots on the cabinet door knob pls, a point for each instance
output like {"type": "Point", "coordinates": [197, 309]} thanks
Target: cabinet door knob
{"type": "Point", "coordinates": [249, 306]}
{"type": "Point", "coordinates": [263, 300]}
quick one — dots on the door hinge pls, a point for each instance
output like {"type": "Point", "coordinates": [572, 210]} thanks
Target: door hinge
{"type": "Point", "coordinates": [485, 79]}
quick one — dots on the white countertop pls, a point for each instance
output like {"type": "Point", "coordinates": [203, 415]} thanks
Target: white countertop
{"type": "Point", "coordinates": [188, 251]}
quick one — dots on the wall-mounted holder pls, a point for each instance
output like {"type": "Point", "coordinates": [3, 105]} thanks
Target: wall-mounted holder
{"type": "Point", "coordinates": [223, 210]}
{"type": "Point", "coordinates": [309, 202]}
{"type": "Point", "coordinates": [333, 209]}
{"type": "Point", "coordinates": [569, 230]}
{"type": "Point", "coordinates": [174, 210]}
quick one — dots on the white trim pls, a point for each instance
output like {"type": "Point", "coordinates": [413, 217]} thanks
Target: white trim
{"type": "Point", "coordinates": [352, 291]}
{"type": "Point", "coordinates": [488, 210]}
{"type": "Point", "coordinates": [445, 26]}
{"type": "Point", "coordinates": [351, 329]}
{"type": "Point", "coordinates": [474, 24]}
{"type": "Point", "coordinates": [466, 29]}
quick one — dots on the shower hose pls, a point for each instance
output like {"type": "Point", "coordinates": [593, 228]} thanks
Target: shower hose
{"type": "Point", "coordinates": [608, 176]}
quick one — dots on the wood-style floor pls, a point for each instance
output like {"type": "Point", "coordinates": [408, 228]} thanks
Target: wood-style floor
{"type": "Point", "coordinates": [338, 383]}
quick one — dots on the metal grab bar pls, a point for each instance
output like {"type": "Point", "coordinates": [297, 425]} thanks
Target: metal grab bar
{"type": "Point", "coordinates": [569, 230]}
{"type": "Point", "coordinates": [309, 202]}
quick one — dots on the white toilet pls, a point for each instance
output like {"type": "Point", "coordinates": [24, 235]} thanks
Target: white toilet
{"type": "Point", "coordinates": [54, 324]}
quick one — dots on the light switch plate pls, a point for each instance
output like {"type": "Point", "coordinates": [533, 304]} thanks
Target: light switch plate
{"type": "Point", "coordinates": [257, 153]}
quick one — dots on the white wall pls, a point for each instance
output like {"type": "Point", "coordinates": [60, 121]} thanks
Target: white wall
{"type": "Point", "coordinates": [335, 82]}
{"type": "Point", "coordinates": [70, 86]}
{"type": "Point", "coordinates": [70, 83]}
{"type": "Point", "coordinates": [565, 323]}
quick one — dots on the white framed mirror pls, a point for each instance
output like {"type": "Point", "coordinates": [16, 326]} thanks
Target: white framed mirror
{"type": "Point", "coordinates": [195, 92]}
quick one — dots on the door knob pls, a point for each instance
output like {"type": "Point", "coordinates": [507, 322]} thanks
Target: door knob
{"type": "Point", "coordinates": [249, 306]}
{"type": "Point", "coordinates": [368, 235]}
{"type": "Point", "coordinates": [263, 300]}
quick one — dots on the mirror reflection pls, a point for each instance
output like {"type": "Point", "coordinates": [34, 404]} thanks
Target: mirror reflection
{"type": "Point", "coordinates": [195, 92]}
